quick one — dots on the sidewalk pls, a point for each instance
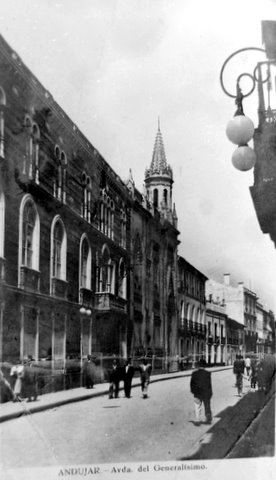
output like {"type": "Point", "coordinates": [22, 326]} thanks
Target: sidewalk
{"type": "Point", "coordinates": [10, 410]}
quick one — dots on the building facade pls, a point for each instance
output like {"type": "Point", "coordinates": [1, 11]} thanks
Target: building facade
{"type": "Point", "coordinates": [192, 313]}
{"type": "Point", "coordinates": [65, 230]}
{"type": "Point", "coordinates": [154, 242]}
{"type": "Point", "coordinates": [216, 321]}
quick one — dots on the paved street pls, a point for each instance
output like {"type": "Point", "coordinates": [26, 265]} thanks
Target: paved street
{"type": "Point", "coordinates": [100, 430]}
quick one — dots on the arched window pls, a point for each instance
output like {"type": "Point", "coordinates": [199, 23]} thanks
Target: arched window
{"type": "Point", "coordinates": [182, 314]}
{"type": "Point", "coordinates": [155, 198]}
{"type": "Point", "coordinates": [35, 152]}
{"type": "Point", "coordinates": [29, 234]}
{"type": "Point", "coordinates": [30, 165]}
{"type": "Point", "coordinates": [106, 280]}
{"type": "Point", "coordinates": [165, 196]}
{"type": "Point", "coordinates": [58, 250]}
{"type": "Point", "coordinates": [85, 264]}
{"type": "Point", "coordinates": [198, 315]}
{"type": "Point", "coordinates": [59, 181]}
{"type": "Point", "coordinates": [123, 228]}
{"type": "Point", "coordinates": [86, 197]}
{"type": "Point", "coordinates": [2, 122]}
{"type": "Point", "coordinates": [106, 220]}
{"type": "Point", "coordinates": [122, 279]}
{"type": "Point", "coordinates": [112, 210]}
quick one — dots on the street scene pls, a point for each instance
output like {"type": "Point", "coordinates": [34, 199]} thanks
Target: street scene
{"type": "Point", "coordinates": [160, 428]}
{"type": "Point", "coordinates": [137, 238]}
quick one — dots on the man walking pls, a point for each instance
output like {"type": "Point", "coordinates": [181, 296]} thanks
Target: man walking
{"type": "Point", "coordinates": [114, 379]}
{"type": "Point", "coordinates": [127, 377]}
{"type": "Point", "coordinates": [201, 388]}
{"type": "Point", "coordinates": [238, 370]}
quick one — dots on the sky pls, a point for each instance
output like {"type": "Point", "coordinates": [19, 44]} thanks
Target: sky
{"type": "Point", "coordinates": [115, 66]}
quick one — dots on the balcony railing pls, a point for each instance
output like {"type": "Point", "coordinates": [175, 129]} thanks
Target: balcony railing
{"type": "Point", "coordinates": [29, 278]}
{"type": "Point", "coordinates": [107, 301]}
{"type": "Point", "coordinates": [192, 328]}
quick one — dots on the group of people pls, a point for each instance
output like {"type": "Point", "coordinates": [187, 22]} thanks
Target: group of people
{"type": "Point", "coordinates": [259, 372]}
{"type": "Point", "coordinates": [126, 374]}
{"type": "Point", "coordinates": [24, 380]}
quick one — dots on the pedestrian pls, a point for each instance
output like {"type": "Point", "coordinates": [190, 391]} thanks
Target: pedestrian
{"type": "Point", "coordinates": [247, 365]}
{"type": "Point", "coordinates": [17, 372]}
{"type": "Point", "coordinates": [89, 369]}
{"type": "Point", "coordinates": [115, 376]}
{"type": "Point", "coordinates": [128, 372]}
{"type": "Point", "coordinates": [29, 382]}
{"type": "Point", "coordinates": [145, 372]}
{"type": "Point", "coordinates": [201, 388]}
{"type": "Point", "coordinates": [238, 370]}
{"type": "Point", "coordinates": [253, 374]}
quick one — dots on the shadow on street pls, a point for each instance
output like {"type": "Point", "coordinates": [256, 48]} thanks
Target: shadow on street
{"type": "Point", "coordinates": [217, 442]}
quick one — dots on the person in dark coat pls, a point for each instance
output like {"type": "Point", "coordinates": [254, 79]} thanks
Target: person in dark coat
{"type": "Point", "coordinates": [115, 377]}
{"type": "Point", "coordinates": [30, 380]}
{"type": "Point", "coordinates": [128, 372]}
{"type": "Point", "coordinates": [238, 370]}
{"type": "Point", "coordinates": [253, 374]}
{"type": "Point", "coordinates": [89, 368]}
{"type": "Point", "coordinates": [201, 388]}
{"type": "Point", "coordinates": [145, 371]}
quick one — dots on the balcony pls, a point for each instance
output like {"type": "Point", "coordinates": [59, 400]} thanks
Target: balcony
{"type": "Point", "coordinates": [223, 340]}
{"type": "Point", "coordinates": [29, 279]}
{"type": "Point", "coordinates": [59, 287]}
{"type": "Point", "coordinates": [107, 301]}
{"type": "Point", "coordinates": [183, 326]}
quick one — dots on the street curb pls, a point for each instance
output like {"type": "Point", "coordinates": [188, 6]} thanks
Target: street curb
{"type": "Point", "coordinates": [270, 398]}
{"type": "Point", "coordinates": [58, 403]}
{"type": "Point", "coordinates": [235, 444]}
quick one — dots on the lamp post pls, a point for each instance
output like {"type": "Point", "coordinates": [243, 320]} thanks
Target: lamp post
{"type": "Point", "coordinates": [240, 129]}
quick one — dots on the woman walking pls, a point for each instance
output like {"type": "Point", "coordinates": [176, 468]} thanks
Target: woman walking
{"type": "Point", "coordinates": [17, 372]}
{"type": "Point", "coordinates": [145, 371]}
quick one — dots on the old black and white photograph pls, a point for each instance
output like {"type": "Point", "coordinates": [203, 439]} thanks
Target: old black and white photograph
{"type": "Point", "coordinates": [137, 239]}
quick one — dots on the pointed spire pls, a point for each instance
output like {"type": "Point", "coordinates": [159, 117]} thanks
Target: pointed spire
{"type": "Point", "coordinates": [159, 164]}
{"type": "Point", "coordinates": [130, 182]}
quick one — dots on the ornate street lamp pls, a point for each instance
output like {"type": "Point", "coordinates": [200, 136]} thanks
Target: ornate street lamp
{"type": "Point", "coordinates": [240, 129]}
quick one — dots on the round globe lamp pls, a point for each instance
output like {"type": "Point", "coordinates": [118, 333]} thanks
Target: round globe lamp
{"type": "Point", "coordinates": [240, 130]}
{"type": "Point", "coordinates": [244, 158]}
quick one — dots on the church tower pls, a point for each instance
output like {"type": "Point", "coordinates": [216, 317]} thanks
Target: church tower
{"type": "Point", "coordinates": [159, 181]}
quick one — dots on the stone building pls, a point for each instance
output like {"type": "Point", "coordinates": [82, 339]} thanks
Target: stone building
{"type": "Point", "coordinates": [216, 321]}
{"type": "Point", "coordinates": [88, 264]}
{"type": "Point", "coordinates": [65, 230]}
{"type": "Point", "coordinates": [192, 312]}
{"type": "Point", "coordinates": [154, 241]}
{"type": "Point", "coordinates": [265, 330]}
{"type": "Point", "coordinates": [240, 306]}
